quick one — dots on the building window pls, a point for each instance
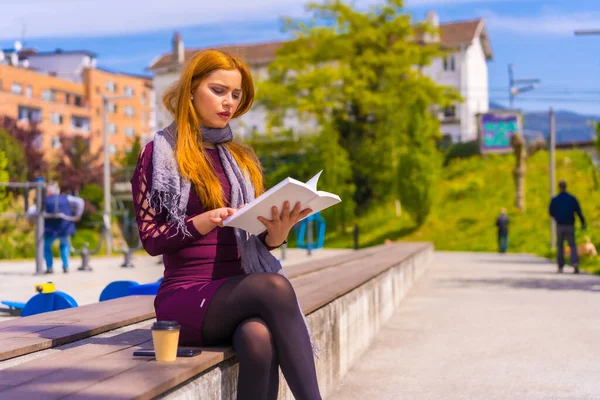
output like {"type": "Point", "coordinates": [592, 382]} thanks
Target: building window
{"type": "Point", "coordinates": [129, 132]}
{"type": "Point", "coordinates": [97, 112]}
{"type": "Point", "coordinates": [128, 90]}
{"type": "Point", "coordinates": [144, 99]}
{"type": "Point", "coordinates": [450, 112]}
{"type": "Point", "coordinates": [78, 101]}
{"type": "Point", "coordinates": [30, 114]}
{"type": "Point", "coordinates": [28, 92]}
{"type": "Point", "coordinates": [129, 111]}
{"type": "Point", "coordinates": [112, 108]}
{"type": "Point", "coordinates": [16, 88]}
{"type": "Point", "coordinates": [112, 149]}
{"type": "Point", "coordinates": [67, 98]}
{"type": "Point", "coordinates": [112, 128]}
{"type": "Point", "coordinates": [56, 144]}
{"type": "Point", "coordinates": [449, 63]}
{"type": "Point", "coordinates": [56, 118]}
{"type": "Point", "coordinates": [80, 123]}
{"type": "Point", "coordinates": [49, 95]}
{"type": "Point", "coordinates": [111, 86]}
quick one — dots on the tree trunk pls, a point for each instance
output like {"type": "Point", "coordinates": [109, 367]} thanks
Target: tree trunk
{"type": "Point", "coordinates": [518, 144]}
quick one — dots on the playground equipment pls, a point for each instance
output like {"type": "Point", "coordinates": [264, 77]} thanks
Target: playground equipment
{"type": "Point", "coordinates": [85, 252]}
{"type": "Point", "coordinates": [304, 232]}
{"type": "Point", "coordinates": [46, 299]}
{"type": "Point", "coordinates": [118, 289]}
{"type": "Point", "coordinates": [40, 188]}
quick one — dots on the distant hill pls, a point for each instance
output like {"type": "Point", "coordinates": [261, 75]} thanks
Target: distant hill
{"type": "Point", "coordinates": [570, 126]}
{"type": "Point", "coordinates": [468, 199]}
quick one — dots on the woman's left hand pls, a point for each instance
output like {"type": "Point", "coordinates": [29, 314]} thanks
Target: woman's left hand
{"type": "Point", "coordinates": [279, 227]}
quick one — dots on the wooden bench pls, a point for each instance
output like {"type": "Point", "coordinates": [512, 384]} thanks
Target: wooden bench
{"type": "Point", "coordinates": [104, 367]}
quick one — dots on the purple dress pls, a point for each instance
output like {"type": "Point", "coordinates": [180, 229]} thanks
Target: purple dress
{"type": "Point", "coordinates": [196, 266]}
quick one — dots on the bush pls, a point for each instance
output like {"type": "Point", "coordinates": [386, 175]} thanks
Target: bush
{"type": "Point", "coordinates": [462, 150]}
{"type": "Point", "coordinates": [418, 172]}
{"type": "Point", "coordinates": [459, 190]}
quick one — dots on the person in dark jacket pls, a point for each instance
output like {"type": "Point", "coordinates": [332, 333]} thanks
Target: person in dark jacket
{"type": "Point", "coordinates": [563, 208]}
{"type": "Point", "coordinates": [59, 228]}
{"type": "Point", "coordinates": [502, 224]}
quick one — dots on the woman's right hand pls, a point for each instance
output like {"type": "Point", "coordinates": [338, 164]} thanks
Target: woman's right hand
{"type": "Point", "coordinates": [217, 216]}
{"type": "Point", "coordinates": [206, 222]}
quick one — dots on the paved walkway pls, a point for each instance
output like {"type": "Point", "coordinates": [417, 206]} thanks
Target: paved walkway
{"type": "Point", "coordinates": [17, 279]}
{"type": "Point", "coordinates": [487, 326]}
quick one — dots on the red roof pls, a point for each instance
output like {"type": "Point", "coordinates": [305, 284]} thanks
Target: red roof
{"type": "Point", "coordinates": [451, 34]}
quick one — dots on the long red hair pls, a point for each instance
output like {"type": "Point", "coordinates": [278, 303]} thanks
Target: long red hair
{"type": "Point", "coordinates": [193, 161]}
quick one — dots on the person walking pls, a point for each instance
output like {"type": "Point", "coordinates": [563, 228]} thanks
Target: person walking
{"type": "Point", "coordinates": [58, 227]}
{"type": "Point", "coordinates": [563, 208]}
{"type": "Point", "coordinates": [502, 225]}
{"type": "Point", "coordinates": [222, 285]}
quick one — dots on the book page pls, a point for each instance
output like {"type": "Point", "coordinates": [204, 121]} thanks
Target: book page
{"type": "Point", "coordinates": [312, 182]}
{"type": "Point", "coordinates": [287, 190]}
{"type": "Point", "coordinates": [323, 201]}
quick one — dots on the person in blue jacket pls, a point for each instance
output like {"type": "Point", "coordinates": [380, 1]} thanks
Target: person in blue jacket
{"type": "Point", "coordinates": [59, 227]}
{"type": "Point", "coordinates": [563, 208]}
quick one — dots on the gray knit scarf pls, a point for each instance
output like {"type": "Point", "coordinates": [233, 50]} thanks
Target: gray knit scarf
{"type": "Point", "coordinates": [170, 192]}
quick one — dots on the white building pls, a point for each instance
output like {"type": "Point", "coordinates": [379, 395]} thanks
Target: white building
{"type": "Point", "coordinates": [465, 69]}
{"type": "Point", "coordinates": [67, 65]}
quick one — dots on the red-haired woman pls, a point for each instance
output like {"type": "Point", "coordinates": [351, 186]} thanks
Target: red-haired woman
{"type": "Point", "coordinates": [221, 284]}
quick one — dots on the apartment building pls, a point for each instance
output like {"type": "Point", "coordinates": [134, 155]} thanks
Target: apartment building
{"type": "Point", "coordinates": [63, 93]}
{"type": "Point", "coordinates": [465, 68]}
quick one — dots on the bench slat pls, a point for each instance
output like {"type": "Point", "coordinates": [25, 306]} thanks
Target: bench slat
{"type": "Point", "coordinates": [337, 281]}
{"type": "Point", "coordinates": [92, 320]}
{"type": "Point", "coordinates": [101, 317]}
{"type": "Point", "coordinates": [33, 370]}
{"type": "Point", "coordinates": [149, 379]}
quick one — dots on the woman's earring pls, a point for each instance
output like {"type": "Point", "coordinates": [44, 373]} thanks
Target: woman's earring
{"type": "Point", "coordinates": [192, 97]}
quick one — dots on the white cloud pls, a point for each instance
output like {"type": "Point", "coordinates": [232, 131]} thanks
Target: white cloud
{"type": "Point", "coordinates": [441, 3]}
{"type": "Point", "coordinates": [548, 23]}
{"type": "Point", "coordinates": [58, 18]}
{"type": "Point", "coordinates": [91, 18]}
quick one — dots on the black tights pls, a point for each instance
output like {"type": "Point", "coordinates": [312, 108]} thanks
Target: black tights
{"type": "Point", "coordinates": [260, 312]}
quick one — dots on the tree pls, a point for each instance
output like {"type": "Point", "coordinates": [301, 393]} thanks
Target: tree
{"type": "Point", "coordinates": [419, 163]}
{"type": "Point", "coordinates": [4, 198]}
{"type": "Point", "coordinates": [77, 166]}
{"type": "Point", "coordinates": [30, 139]}
{"type": "Point", "coordinates": [597, 139]}
{"type": "Point", "coordinates": [356, 74]}
{"type": "Point", "coordinates": [15, 155]}
{"type": "Point", "coordinates": [518, 144]}
{"type": "Point", "coordinates": [129, 157]}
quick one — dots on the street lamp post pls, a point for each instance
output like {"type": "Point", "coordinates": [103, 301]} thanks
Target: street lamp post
{"type": "Point", "coordinates": [514, 90]}
{"type": "Point", "coordinates": [107, 193]}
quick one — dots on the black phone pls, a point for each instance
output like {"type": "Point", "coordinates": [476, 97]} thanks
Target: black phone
{"type": "Point", "coordinates": [180, 353]}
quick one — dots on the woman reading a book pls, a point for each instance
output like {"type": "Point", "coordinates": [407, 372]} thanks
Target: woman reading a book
{"type": "Point", "coordinates": [221, 284]}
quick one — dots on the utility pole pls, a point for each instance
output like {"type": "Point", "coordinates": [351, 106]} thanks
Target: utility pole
{"type": "Point", "coordinates": [552, 174]}
{"type": "Point", "coordinates": [107, 193]}
{"type": "Point", "coordinates": [584, 32]}
{"type": "Point", "coordinates": [514, 90]}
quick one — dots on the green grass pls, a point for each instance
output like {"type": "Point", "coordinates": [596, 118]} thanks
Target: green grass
{"type": "Point", "coordinates": [468, 200]}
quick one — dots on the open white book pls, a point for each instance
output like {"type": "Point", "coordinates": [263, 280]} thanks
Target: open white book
{"type": "Point", "coordinates": [288, 189]}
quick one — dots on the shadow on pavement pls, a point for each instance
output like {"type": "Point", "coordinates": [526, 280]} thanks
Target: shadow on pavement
{"type": "Point", "coordinates": [583, 282]}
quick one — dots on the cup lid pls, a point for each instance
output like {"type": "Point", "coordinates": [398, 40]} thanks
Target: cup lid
{"type": "Point", "coordinates": [165, 326]}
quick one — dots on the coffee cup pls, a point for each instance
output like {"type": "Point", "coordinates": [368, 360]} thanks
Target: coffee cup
{"type": "Point", "coordinates": [165, 337]}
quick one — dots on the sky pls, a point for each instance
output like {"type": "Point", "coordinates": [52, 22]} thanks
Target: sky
{"type": "Point", "coordinates": [536, 36]}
